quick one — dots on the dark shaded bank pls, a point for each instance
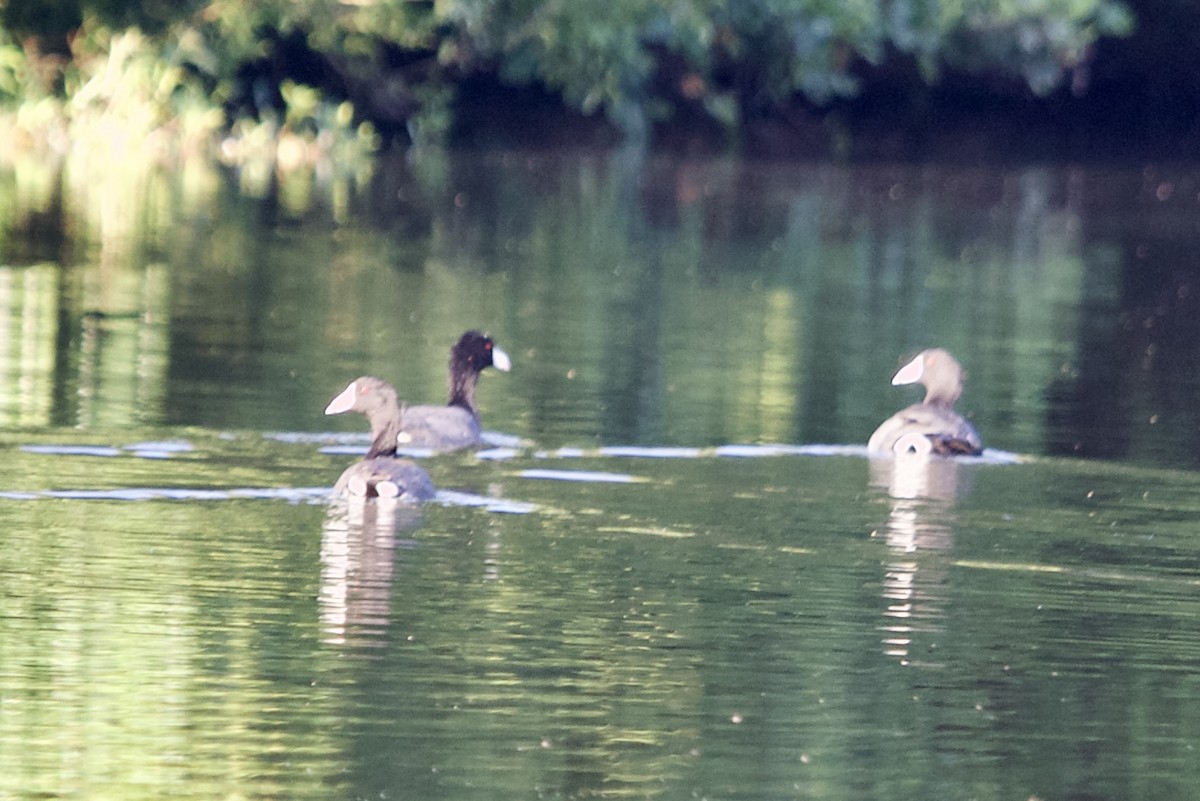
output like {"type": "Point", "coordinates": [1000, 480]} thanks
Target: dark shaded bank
{"type": "Point", "coordinates": [966, 118]}
{"type": "Point", "coordinates": [959, 122]}
{"type": "Point", "coordinates": [1136, 97]}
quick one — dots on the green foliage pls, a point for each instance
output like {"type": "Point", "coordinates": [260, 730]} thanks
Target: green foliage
{"type": "Point", "coordinates": [1037, 39]}
{"type": "Point", "coordinates": [634, 60]}
{"type": "Point", "coordinates": [14, 68]}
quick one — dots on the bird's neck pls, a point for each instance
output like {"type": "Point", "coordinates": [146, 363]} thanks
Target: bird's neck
{"type": "Point", "coordinates": [940, 399]}
{"type": "Point", "coordinates": [462, 388]}
{"type": "Point", "coordinates": [385, 428]}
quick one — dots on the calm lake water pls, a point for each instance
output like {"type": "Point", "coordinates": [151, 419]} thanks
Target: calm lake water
{"type": "Point", "coordinates": [678, 576]}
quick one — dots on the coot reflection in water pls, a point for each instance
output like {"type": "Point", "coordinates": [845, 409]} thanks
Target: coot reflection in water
{"type": "Point", "coordinates": [361, 540]}
{"type": "Point", "coordinates": [922, 491]}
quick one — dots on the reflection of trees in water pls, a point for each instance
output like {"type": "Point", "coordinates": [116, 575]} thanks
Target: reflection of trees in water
{"type": "Point", "coordinates": [921, 491]}
{"type": "Point", "coordinates": [86, 347]}
{"type": "Point", "coordinates": [1127, 391]}
{"type": "Point", "coordinates": [872, 261]}
{"type": "Point", "coordinates": [658, 299]}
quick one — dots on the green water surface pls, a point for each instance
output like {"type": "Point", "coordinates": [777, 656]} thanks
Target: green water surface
{"type": "Point", "coordinates": [185, 614]}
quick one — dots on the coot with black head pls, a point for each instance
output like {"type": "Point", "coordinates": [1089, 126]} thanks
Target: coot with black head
{"type": "Point", "coordinates": [456, 425]}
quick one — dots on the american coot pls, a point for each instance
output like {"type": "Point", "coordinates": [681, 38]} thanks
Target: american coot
{"type": "Point", "coordinates": [931, 426]}
{"type": "Point", "coordinates": [380, 473]}
{"type": "Point", "coordinates": [456, 425]}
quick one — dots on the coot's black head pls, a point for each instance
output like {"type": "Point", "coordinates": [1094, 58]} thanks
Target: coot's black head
{"type": "Point", "coordinates": [474, 351]}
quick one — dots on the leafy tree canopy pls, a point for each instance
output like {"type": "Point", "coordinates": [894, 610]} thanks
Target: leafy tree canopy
{"type": "Point", "coordinates": [400, 61]}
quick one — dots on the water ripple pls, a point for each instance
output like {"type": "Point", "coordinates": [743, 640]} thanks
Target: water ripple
{"type": "Point", "coordinates": [501, 505]}
{"type": "Point", "coordinates": [581, 475]}
{"type": "Point", "coordinates": [146, 450]}
{"type": "Point", "coordinates": [311, 495]}
{"type": "Point", "coordinates": [506, 446]}
{"type": "Point", "coordinates": [290, 494]}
